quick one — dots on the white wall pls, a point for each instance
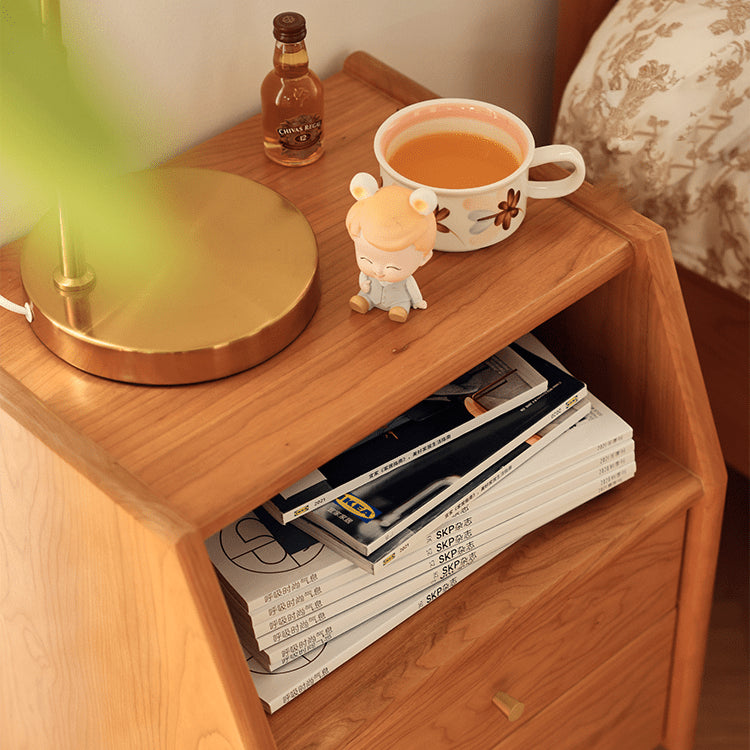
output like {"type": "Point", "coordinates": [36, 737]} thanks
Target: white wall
{"type": "Point", "coordinates": [190, 68]}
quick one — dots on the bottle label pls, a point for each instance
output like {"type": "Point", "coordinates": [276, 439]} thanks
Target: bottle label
{"type": "Point", "coordinates": [300, 133]}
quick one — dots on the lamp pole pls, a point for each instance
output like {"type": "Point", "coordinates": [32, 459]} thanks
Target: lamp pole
{"type": "Point", "coordinates": [73, 274]}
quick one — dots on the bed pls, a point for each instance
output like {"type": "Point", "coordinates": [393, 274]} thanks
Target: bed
{"type": "Point", "coordinates": [656, 95]}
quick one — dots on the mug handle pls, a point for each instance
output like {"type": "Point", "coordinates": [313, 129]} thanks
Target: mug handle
{"type": "Point", "coordinates": [557, 188]}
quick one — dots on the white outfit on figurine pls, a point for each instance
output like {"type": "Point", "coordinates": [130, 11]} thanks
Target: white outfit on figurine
{"type": "Point", "coordinates": [387, 294]}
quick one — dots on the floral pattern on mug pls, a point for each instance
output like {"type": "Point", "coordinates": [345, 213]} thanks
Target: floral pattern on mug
{"type": "Point", "coordinates": [507, 211]}
{"type": "Point", "coordinates": [441, 214]}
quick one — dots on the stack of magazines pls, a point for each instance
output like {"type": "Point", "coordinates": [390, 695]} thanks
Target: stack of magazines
{"type": "Point", "coordinates": [322, 570]}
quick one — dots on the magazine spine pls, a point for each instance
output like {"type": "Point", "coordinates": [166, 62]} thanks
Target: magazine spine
{"type": "Point", "coordinates": [288, 650]}
{"type": "Point", "coordinates": [400, 614]}
{"type": "Point", "coordinates": [604, 451]}
{"type": "Point", "coordinates": [289, 590]}
{"type": "Point", "coordinates": [431, 571]}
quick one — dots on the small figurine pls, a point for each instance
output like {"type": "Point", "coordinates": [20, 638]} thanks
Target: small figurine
{"type": "Point", "coordinates": [394, 230]}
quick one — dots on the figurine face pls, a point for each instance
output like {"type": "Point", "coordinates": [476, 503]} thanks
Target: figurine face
{"type": "Point", "coordinates": [387, 266]}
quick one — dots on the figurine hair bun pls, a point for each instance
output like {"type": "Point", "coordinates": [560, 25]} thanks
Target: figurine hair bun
{"type": "Point", "coordinates": [363, 186]}
{"type": "Point", "coordinates": [423, 201]}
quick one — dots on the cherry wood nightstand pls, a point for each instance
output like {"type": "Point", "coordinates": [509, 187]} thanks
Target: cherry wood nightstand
{"type": "Point", "coordinates": [113, 629]}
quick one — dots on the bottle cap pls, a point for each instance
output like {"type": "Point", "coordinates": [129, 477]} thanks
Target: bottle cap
{"type": "Point", "coordinates": [289, 27]}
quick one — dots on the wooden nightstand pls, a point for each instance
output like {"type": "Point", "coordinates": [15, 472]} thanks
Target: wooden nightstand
{"type": "Point", "coordinates": [114, 630]}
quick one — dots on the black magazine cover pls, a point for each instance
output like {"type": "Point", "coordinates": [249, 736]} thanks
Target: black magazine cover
{"type": "Point", "coordinates": [469, 496]}
{"type": "Point", "coordinates": [494, 387]}
{"type": "Point", "coordinates": [369, 516]}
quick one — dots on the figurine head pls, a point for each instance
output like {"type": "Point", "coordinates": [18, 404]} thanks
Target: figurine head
{"type": "Point", "coordinates": [392, 218]}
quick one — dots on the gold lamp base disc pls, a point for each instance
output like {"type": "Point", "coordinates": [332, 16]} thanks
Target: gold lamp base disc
{"type": "Point", "coordinates": [234, 283]}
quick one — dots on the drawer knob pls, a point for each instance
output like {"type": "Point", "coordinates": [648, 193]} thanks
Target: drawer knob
{"type": "Point", "coordinates": [508, 705]}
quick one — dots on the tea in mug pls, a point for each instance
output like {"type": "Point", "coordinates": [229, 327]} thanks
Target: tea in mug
{"type": "Point", "coordinates": [453, 160]}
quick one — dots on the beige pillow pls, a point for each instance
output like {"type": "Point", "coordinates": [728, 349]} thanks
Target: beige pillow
{"type": "Point", "coordinates": [660, 102]}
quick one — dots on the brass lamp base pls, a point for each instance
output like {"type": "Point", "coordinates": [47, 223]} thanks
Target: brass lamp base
{"type": "Point", "coordinates": [237, 283]}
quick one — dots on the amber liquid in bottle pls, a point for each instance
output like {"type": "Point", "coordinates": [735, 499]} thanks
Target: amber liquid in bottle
{"type": "Point", "coordinates": [292, 98]}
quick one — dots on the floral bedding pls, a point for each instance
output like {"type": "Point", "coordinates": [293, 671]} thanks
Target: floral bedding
{"type": "Point", "coordinates": [660, 103]}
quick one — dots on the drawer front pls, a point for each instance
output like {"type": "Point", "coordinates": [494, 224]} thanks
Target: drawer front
{"type": "Point", "coordinates": [634, 682]}
{"type": "Point", "coordinates": [539, 654]}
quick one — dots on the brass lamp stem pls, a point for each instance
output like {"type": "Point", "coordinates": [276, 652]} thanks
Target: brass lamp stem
{"type": "Point", "coordinates": [49, 10]}
{"type": "Point", "coordinates": [73, 273]}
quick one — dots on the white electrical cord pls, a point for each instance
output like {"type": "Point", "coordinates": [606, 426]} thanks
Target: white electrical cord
{"type": "Point", "coordinates": [24, 310]}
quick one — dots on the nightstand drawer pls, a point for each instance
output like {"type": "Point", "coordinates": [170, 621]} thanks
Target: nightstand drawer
{"type": "Point", "coordinates": [634, 682]}
{"type": "Point", "coordinates": [539, 653]}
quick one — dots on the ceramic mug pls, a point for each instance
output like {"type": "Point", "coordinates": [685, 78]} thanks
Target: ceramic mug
{"type": "Point", "coordinates": [475, 217]}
